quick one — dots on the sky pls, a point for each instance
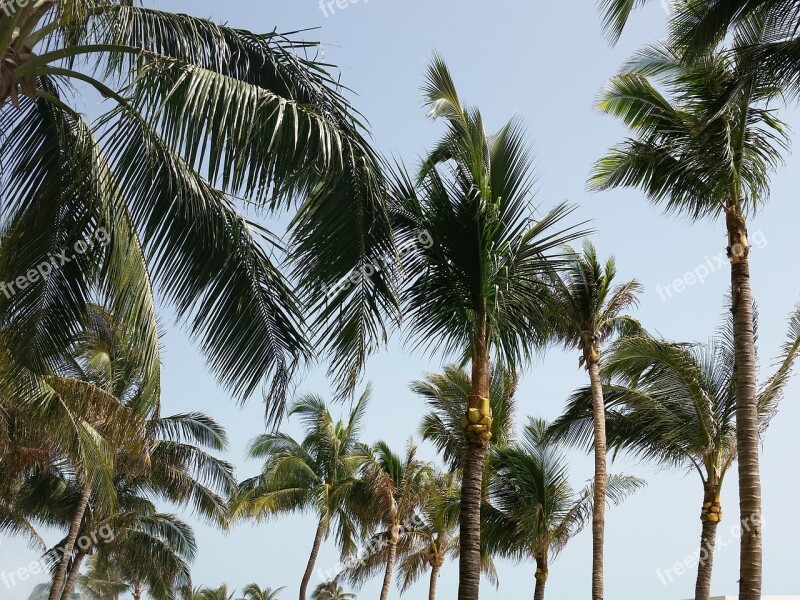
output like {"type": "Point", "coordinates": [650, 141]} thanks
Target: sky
{"type": "Point", "coordinates": [544, 62]}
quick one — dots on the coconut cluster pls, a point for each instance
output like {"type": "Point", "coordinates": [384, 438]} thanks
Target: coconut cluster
{"type": "Point", "coordinates": [712, 512]}
{"type": "Point", "coordinates": [478, 421]}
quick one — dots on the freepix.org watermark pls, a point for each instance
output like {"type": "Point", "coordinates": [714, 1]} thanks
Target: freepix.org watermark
{"type": "Point", "coordinates": [423, 240]}
{"type": "Point", "coordinates": [11, 6]}
{"type": "Point", "coordinates": [42, 271]}
{"type": "Point", "coordinates": [330, 7]}
{"type": "Point", "coordinates": [702, 554]}
{"type": "Point", "coordinates": [710, 266]}
{"type": "Point", "coordinates": [372, 547]}
{"type": "Point", "coordinates": [103, 534]}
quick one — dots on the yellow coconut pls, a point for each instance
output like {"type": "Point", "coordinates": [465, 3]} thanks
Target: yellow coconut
{"type": "Point", "coordinates": [486, 407]}
{"type": "Point", "coordinates": [474, 415]}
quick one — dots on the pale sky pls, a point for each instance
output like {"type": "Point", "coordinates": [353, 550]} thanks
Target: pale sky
{"type": "Point", "coordinates": [545, 61]}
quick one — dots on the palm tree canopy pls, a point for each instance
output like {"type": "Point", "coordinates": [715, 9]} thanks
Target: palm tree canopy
{"type": "Point", "coordinates": [472, 198]}
{"type": "Point", "coordinates": [586, 308]}
{"type": "Point", "coordinates": [331, 591]}
{"type": "Point", "coordinates": [252, 591]}
{"type": "Point", "coordinates": [161, 188]}
{"type": "Point", "coordinates": [534, 510]}
{"type": "Point", "coordinates": [709, 142]}
{"type": "Point", "coordinates": [675, 403]}
{"type": "Point", "coordinates": [317, 473]}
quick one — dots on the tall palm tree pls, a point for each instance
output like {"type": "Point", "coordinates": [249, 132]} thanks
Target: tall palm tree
{"type": "Point", "coordinates": [317, 474]}
{"type": "Point", "coordinates": [253, 591]}
{"type": "Point", "coordinates": [475, 291]}
{"type": "Point", "coordinates": [331, 590]}
{"type": "Point", "coordinates": [435, 537]}
{"type": "Point", "coordinates": [706, 150]}
{"type": "Point", "coordinates": [535, 511]}
{"type": "Point", "coordinates": [394, 488]}
{"type": "Point", "coordinates": [676, 404]}
{"type": "Point", "coordinates": [587, 310]}
{"type": "Point", "coordinates": [268, 124]}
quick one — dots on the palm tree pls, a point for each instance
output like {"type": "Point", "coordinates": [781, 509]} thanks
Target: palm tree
{"type": "Point", "coordinates": [475, 290]}
{"type": "Point", "coordinates": [676, 404]}
{"type": "Point", "coordinates": [95, 401]}
{"type": "Point", "coordinates": [706, 150]}
{"type": "Point", "coordinates": [317, 474]}
{"type": "Point", "coordinates": [447, 393]}
{"type": "Point", "coordinates": [535, 511]}
{"type": "Point", "coordinates": [220, 593]}
{"type": "Point", "coordinates": [254, 592]}
{"type": "Point", "coordinates": [587, 310]}
{"type": "Point", "coordinates": [435, 537]}
{"type": "Point", "coordinates": [394, 488]}
{"type": "Point", "coordinates": [331, 590]}
{"type": "Point", "coordinates": [144, 196]}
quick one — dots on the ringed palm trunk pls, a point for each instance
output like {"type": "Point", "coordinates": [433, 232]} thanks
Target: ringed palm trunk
{"type": "Point", "coordinates": [435, 568]}
{"type": "Point", "coordinates": [312, 560]}
{"type": "Point", "coordinates": [600, 475]}
{"type": "Point", "coordinates": [747, 428]}
{"type": "Point", "coordinates": [711, 516]}
{"type": "Point", "coordinates": [390, 560]}
{"type": "Point", "coordinates": [59, 577]}
{"type": "Point", "coordinates": [478, 412]}
{"type": "Point", "coordinates": [137, 592]}
{"type": "Point", "coordinates": [73, 575]}
{"type": "Point", "coordinates": [541, 577]}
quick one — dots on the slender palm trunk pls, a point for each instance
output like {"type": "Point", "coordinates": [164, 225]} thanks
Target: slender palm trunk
{"type": "Point", "coordinates": [387, 575]}
{"type": "Point", "coordinates": [312, 560]}
{"type": "Point", "coordinates": [469, 566]}
{"type": "Point", "coordinates": [137, 592]}
{"type": "Point", "coordinates": [59, 577]}
{"type": "Point", "coordinates": [434, 581]}
{"type": "Point", "coordinates": [541, 578]}
{"type": "Point", "coordinates": [73, 575]}
{"type": "Point", "coordinates": [747, 429]}
{"type": "Point", "coordinates": [600, 475]}
{"type": "Point", "coordinates": [711, 516]}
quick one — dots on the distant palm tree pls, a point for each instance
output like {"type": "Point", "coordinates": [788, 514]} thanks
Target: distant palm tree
{"type": "Point", "coordinates": [447, 393]}
{"type": "Point", "coordinates": [676, 404]}
{"type": "Point", "coordinates": [534, 510]}
{"type": "Point", "coordinates": [394, 488]}
{"type": "Point", "coordinates": [435, 537]}
{"type": "Point", "coordinates": [587, 311]}
{"type": "Point", "coordinates": [315, 475]}
{"type": "Point", "coordinates": [254, 592]}
{"type": "Point", "coordinates": [707, 149]}
{"type": "Point", "coordinates": [220, 593]}
{"type": "Point", "coordinates": [331, 591]}
{"type": "Point", "coordinates": [475, 291]}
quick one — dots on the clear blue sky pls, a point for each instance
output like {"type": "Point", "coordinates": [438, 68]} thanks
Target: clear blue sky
{"type": "Point", "coordinates": [545, 61]}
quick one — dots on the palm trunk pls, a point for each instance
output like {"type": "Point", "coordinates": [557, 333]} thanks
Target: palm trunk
{"type": "Point", "coordinates": [541, 578]}
{"type": "Point", "coordinates": [137, 592]}
{"type": "Point", "coordinates": [434, 580]}
{"type": "Point", "coordinates": [73, 575]}
{"type": "Point", "coordinates": [59, 577]}
{"type": "Point", "coordinates": [469, 566]}
{"type": "Point", "coordinates": [711, 516]}
{"type": "Point", "coordinates": [747, 429]}
{"type": "Point", "coordinates": [600, 475]}
{"type": "Point", "coordinates": [387, 576]}
{"type": "Point", "coordinates": [312, 560]}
